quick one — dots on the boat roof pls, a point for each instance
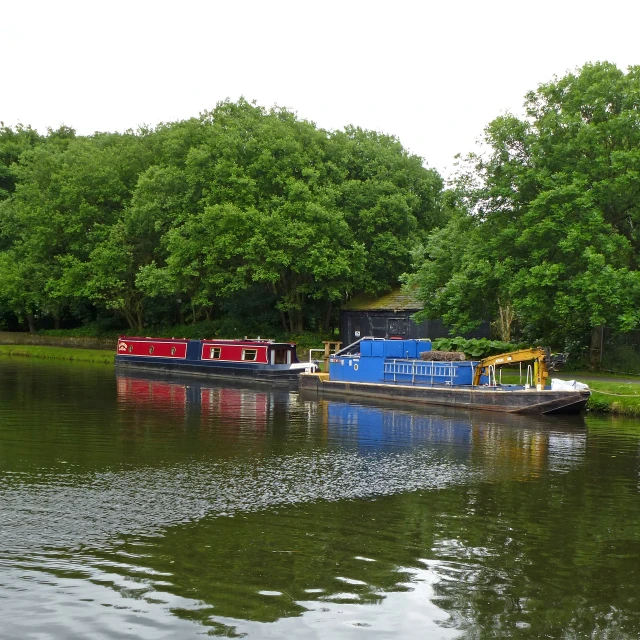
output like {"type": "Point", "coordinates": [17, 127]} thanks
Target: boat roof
{"type": "Point", "coordinates": [229, 341]}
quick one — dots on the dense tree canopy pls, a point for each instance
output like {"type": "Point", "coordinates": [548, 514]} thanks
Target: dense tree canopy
{"type": "Point", "coordinates": [545, 231]}
{"type": "Point", "coordinates": [173, 222]}
{"type": "Point", "coordinates": [249, 211]}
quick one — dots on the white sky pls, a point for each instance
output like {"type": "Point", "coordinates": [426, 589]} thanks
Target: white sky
{"type": "Point", "coordinates": [434, 73]}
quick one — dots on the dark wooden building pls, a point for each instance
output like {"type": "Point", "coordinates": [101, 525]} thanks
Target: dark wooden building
{"type": "Point", "coordinates": [389, 316]}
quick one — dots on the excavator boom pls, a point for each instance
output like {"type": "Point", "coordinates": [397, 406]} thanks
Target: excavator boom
{"type": "Point", "coordinates": [539, 356]}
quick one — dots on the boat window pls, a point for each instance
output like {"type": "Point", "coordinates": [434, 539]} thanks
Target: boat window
{"type": "Point", "coordinates": [249, 354]}
{"type": "Point", "coordinates": [214, 354]}
{"type": "Point", "coordinates": [150, 350]}
{"type": "Point", "coordinates": [130, 349]}
{"type": "Point", "coordinates": [173, 351]}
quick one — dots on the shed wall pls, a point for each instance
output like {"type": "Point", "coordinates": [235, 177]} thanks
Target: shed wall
{"type": "Point", "coordinates": [388, 324]}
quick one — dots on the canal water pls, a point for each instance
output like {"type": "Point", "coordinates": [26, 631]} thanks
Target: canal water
{"type": "Point", "coordinates": [148, 507]}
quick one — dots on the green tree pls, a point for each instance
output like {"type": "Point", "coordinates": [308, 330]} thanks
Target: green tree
{"type": "Point", "coordinates": [13, 142]}
{"type": "Point", "coordinates": [389, 201]}
{"type": "Point", "coordinates": [70, 191]}
{"type": "Point", "coordinates": [191, 214]}
{"type": "Point", "coordinates": [548, 236]}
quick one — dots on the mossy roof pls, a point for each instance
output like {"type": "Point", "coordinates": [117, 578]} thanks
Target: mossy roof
{"type": "Point", "coordinates": [393, 301]}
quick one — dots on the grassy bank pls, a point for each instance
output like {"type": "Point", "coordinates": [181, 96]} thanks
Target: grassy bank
{"type": "Point", "coordinates": [619, 398]}
{"type": "Point", "coordinates": [57, 353]}
{"type": "Point", "coordinates": [611, 394]}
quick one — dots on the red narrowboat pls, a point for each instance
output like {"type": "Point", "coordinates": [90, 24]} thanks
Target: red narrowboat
{"type": "Point", "coordinates": [249, 358]}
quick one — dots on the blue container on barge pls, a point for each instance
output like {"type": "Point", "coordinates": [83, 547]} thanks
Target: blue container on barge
{"type": "Point", "coordinates": [380, 361]}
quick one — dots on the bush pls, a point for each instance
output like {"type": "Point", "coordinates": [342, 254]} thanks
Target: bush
{"type": "Point", "coordinates": [475, 347]}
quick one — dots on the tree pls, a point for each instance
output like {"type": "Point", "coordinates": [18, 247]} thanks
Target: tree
{"type": "Point", "coordinates": [389, 199]}
{"type": "Point", "coordinates": [70, 192]}
{"type": "Point", "coordinates": [191, 214]}
{"type": "Point", "coordinates": [13, 142]}
{"type": "Point", "coordinates": [549, 234]}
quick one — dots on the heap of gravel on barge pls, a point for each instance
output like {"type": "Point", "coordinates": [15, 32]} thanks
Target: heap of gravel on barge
{"type": "Point", "coordinates": [398, 370]}
{"type": "Point", "coordinates": [256, 359]}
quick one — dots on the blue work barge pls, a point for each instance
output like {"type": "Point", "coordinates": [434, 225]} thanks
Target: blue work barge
{"type": "Point", "coordinates": [400, 370]}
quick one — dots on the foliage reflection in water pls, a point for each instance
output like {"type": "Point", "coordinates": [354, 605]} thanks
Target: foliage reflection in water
{"type": "Point", "coordinates": [155, 508]}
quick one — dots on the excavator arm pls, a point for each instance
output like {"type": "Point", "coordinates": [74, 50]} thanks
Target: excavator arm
{"type": "Point", "coordinates": [539, 356]}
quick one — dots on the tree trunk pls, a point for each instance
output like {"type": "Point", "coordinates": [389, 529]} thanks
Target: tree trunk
{"type": "Point", "coordinates": [31, 322]}
{"type": "Point", "coordinates": [296, 320]}
{"type": "Point", "coordinates": [326, 323]}
{"type": "Point", "coordinates": [129, 318]}
{"type": "Point", "coordinates": [283, 318]}
{"type": "Point", "coordinates": [56, 321]}
{"type": "Point", "coordinates": [506, 316]}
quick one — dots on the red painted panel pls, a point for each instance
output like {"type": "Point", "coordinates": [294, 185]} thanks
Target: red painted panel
{"type": "Point", "coordinates": [233, 352]}
{"type": "Point", "coordinates": [152, 348]}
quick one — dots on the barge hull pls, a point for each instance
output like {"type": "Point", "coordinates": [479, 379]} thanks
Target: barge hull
{"type": "Point", "coordinates": [519, 401]}
{"type": "Point", "coordinates": [217, 370]}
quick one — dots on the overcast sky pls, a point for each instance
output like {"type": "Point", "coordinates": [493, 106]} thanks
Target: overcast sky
{"type": "Point", "coordinates": [432, 73]}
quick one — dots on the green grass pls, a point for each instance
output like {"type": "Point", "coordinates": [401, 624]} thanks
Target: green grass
{"type": "Point", "coordinates": [57, 353]}
{"type": "Point", "coordinates": [618, 397]}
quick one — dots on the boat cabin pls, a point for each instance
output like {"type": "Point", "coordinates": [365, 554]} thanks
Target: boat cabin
{"type": "Point", "coordinates": [255, 351]}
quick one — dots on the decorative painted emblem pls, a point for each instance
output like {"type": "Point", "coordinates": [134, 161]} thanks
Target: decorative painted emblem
{"type": "Point", "coordinates": [122, 346]}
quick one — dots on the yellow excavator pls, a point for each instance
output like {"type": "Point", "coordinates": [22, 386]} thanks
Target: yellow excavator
{"type": "Point", "coordinates": [539, 356]}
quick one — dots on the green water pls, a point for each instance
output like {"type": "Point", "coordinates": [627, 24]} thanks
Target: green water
{"type": "Point", "coordinates": [156, 508]}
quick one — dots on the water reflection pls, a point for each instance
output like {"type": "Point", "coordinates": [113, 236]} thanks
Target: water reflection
{"type": "Point", "coordinates": [180, 398]}
{"type": "Point", "coordinates": [155, 507]}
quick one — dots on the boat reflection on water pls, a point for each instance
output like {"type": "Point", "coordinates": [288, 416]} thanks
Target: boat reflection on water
{"type": "Point", "coordinates": [180, 399]}
{"type": "Point", "coordinates": [514, 444]}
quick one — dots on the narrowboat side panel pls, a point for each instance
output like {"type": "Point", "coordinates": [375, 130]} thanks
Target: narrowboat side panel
{"type": "Point", "coordinates": [233, 352]}
{"type": "Point", "coordinates": [215, 369]}
{"type": "Point", "coordinates": [171, 349]}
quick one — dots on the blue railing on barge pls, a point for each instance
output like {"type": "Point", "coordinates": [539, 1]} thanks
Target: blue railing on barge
{"type": "Point", "coordinates": [420, 371]}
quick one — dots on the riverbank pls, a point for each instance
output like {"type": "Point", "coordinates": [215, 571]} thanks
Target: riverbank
{"type": "Point", "coordinates": [16, 338]}
{"type": "Point", "coordinates": [58, 353]}
{"type": "Point", "coordinates": [616, 396]}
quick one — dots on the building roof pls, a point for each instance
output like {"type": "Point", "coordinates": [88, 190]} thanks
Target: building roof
{"type": "Point", "coordinates": [396, 300]}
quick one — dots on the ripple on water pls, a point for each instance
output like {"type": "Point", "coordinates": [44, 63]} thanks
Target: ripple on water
{"type": "Point", "coordinates": [92, 509]}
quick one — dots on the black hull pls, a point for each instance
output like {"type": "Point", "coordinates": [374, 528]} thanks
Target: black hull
{"type": "Point", "coordinates": [519, 401]}
{"type": "Point", "coordinates": [254, 373]}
